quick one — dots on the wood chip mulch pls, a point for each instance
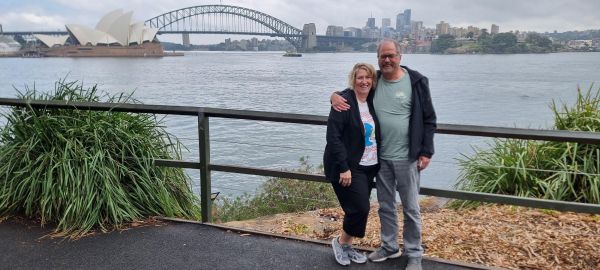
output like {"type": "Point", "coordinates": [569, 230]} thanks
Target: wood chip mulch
{"type": "Point", "coordinates": [499, 236]}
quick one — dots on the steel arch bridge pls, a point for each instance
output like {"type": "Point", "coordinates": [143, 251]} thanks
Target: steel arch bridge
{"type": "Point", "coordinates": [224, 19]}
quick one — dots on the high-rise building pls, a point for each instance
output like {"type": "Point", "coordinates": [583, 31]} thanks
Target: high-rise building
{"type": "Point", "coordinates": [399, 22]}
{"type": "Point", "coordinates": [442, 28]}
{"type": "Point", "coordinates": [371, 22]}
{"type": "Point", "coordinates": [407, 17]}
{"type": "Point", "coordinates": [386, 22]}
{"type": "Point", "coordinates": [475, 30]}
{"type": "Point", "coordinates": [417, 30]}
{"type": "Point", "coordinates": [495, 29]}
{"type": "Point", "coordinates": [403, 25]}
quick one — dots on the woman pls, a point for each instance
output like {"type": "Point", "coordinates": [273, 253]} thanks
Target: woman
{"type": "Point", "coordinates": [350, 160]}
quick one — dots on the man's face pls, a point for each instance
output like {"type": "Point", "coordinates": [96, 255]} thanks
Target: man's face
{"type": "Point", "coordinates": [389, 58]}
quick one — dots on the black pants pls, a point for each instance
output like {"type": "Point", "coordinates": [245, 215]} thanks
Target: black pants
{"type": "Point", "coordinates": [354, 199]}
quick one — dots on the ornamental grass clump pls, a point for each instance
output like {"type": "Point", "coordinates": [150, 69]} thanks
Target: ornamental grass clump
{"type": "Point", "coordinates": [83, 170]}
{"type": "Point", "coordinates": [548, 170]}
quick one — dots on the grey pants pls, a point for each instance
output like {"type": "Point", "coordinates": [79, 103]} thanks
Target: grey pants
{"type": "Point", "coordinates": [401, 176]}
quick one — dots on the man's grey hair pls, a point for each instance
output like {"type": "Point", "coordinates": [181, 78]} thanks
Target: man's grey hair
{"type": "Point", "coordinates": [395, 42]}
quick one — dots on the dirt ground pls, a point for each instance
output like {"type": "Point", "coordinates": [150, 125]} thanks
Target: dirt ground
{"type": "Point", "coordinates": [501, 236]}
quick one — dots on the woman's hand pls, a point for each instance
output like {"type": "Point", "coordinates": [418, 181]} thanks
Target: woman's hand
{"type": "Point", "coordinates": [346, 178]}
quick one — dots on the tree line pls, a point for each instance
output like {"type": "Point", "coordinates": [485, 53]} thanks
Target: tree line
{"type": "Point", "coordinates": [496, 43]}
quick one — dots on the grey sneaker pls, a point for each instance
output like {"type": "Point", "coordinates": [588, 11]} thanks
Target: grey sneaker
{"type": "Point", "coordinates": [355, 256]}
{"type": "Point", "coordinates": [414, 264]}
{"type": "Point", "coordinates": [340, 255]}
{"type": "Point", "coordinates": [382, 254]}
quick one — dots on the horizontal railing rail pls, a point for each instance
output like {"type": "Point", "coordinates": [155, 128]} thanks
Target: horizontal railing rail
{"type": "Point", "coordinates": [205, 167]}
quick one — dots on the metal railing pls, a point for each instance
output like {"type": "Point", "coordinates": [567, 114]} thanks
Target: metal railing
{"type": "Point", "coordinates": [206, 167]}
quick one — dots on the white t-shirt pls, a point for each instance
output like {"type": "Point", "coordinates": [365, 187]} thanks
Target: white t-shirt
{"type": "Point", "coordinates": [370, 155]}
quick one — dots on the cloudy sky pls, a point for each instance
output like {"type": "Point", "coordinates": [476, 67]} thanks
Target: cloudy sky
{"type": "Point", "coordinates": [524, 15]}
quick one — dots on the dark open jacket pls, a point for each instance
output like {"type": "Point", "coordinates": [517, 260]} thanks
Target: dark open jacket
{"type": "Point", "coordinates": [422, 125]}
{"type": "Point", "coordinates": [345, 137]}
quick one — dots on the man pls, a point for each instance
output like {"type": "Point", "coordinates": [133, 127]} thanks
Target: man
{"type": "Point", "coordinates": [406, 120]}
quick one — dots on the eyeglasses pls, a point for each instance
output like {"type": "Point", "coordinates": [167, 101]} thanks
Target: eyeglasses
{"type": "Point", "coordinates": [390, 56]}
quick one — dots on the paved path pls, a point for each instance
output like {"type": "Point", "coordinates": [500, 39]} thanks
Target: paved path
{"type": "Point", "coordinates": [172, 245]}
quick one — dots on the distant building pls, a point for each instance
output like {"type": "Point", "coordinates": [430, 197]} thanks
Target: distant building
{"type": "Point", "coordinates": [386, 22]}
{"type": "Point", "coordinates": [353, 32]}
{"type": "Point", "coordinates": [417, 30]}
{"type": "Point", "coordinates": [495, 29]}
{"type": "Point", "coordinates": [334, 31]}
{"type": "Point", "coordinates": [399, 21]}
{"type": "Point", "coordinates": [442, 28]}
{"type": "Point", "coordinates": [475, 30]}
{"type": "Point", "coordinates": [372, 33]}
{"type": "Point", "coordinates": [403, 25]}
{"type": "Point", "coordinates": [371, 23]}
{"type": "Point", "coordinates": [458, 32]}
{"type": "Point", "coordinates": [580, 44]}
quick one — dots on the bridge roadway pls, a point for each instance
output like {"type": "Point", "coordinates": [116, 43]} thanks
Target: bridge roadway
{"type": "Point", "coordinates": [172, 245]}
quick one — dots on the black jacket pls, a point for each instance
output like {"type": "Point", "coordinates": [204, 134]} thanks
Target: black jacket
{"type": "Point", "coordinates": [422, 124]}
{"type": "Point", "coordinates": [345, 138]}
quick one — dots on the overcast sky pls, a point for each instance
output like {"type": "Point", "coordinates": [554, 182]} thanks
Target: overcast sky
{"type": "Point", "coordinates": [523, 15]}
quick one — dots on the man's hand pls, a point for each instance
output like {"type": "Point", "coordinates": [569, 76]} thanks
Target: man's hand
{"type": "Point", "coordinates": [346, 178]}
{"type": "Point", "coordinates": [339, 103]}
{"type": "Point", "coordinates": [423, 162]}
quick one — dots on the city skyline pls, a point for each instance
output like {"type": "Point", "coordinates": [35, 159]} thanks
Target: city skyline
{"type": "Point", "coordinates": [539, 16]}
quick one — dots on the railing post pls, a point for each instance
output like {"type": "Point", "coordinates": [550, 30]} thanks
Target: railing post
{"type": "Point", "coordinates": [204, 154]}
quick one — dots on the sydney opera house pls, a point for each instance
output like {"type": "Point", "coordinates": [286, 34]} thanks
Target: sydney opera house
{"type": "Point", "coordinates": [113, 36]}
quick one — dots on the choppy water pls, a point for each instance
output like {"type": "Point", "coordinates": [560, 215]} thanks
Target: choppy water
{"type": "Point", "coordinates": [492, 90]}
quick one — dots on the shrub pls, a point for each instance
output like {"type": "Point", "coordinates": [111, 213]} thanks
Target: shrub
{"type": "Point", "coordinates": [278, 195]}
{"type": "Point", "coordinates": [88, 169]}
{"type": "Point", "coordinates": [549, 170]}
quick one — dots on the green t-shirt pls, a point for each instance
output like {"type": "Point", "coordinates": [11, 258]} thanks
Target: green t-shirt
{"type": "Point", "coordinates": [393, 105]}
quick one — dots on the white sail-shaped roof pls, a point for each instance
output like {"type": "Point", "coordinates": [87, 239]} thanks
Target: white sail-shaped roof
{"type": "Point", "coordinates": [51, 41]}
{"type": "Point", "coordinates": [136, 33]}
{"type": "Point", "coordinates": [149, 34]}
{"type": "Point", "coordinates": [85, 35]}
{"type": "Point", "coordinates": [120, 28]}
{"type": "Point", "coordinates": [108, 20]}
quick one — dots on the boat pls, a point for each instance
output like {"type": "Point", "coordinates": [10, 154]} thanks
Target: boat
{"type": "Point", "coordinates": [292, 54]}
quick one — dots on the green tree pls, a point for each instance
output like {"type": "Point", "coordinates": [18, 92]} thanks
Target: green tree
{"type": "Point", "coordinates": [538, 40]}
{"type": "Point", "coordinates": [442, 43]}
{"type": "Point", "coordinates": [503, 42]}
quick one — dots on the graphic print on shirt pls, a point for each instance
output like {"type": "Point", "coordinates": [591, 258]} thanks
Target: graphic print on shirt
{"type": "Point", "coordinates": [369, 156]}
{"type": "Point", "coordinates": [369, 134]}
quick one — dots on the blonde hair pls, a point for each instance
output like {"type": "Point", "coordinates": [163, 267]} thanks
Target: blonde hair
{"type": "Point", "coordinates": [364, 66]}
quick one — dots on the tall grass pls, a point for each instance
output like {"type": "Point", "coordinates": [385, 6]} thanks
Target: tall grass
{"type": "Point", "coordinates": [549, 170]}
{"type": "Point", "coordinates": [86, 169]}
{"type": "Point", "coordinates": [278, 195]}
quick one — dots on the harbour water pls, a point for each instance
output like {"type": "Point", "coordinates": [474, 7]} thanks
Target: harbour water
{"type": "Point", "coordinates": [490, 90]}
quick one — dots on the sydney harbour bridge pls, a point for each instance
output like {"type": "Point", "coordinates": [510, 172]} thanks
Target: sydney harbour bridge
{"type": "Point", "coordinates": [232, 20]}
